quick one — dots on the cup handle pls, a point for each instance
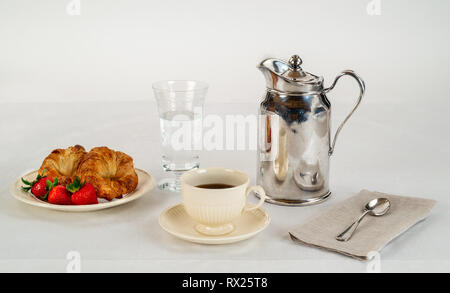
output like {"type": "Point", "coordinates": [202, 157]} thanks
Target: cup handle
{"type": "Point", "coordinates": [262, 196]}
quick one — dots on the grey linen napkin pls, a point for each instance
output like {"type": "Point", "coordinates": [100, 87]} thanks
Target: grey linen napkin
{"type": "Point", "coordinates": [372, 234]}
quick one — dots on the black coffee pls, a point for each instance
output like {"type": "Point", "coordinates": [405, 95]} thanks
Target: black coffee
{"type": "Point", "coordinates": [214, 186]}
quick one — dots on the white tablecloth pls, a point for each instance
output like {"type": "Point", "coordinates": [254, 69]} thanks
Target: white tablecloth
{"type": "Point", "coordinates": [381, 148]}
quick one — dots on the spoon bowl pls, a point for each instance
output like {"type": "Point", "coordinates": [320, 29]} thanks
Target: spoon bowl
{"type": "Point", "coordinates": [378, 207]}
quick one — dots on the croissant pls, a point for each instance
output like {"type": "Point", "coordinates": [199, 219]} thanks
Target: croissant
{"type": "Point", "coordinates": [63, 163]}
{"type": "Point", "coordinates": [110, 172]}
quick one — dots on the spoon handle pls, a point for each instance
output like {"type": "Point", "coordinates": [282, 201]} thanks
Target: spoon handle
{"type": "Point", "coordinates": [348, 232]}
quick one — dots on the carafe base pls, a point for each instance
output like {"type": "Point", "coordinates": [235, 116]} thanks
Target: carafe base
{"type": "Point", "coordinates": [297, 202]}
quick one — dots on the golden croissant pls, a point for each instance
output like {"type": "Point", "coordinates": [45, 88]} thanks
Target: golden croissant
{"type": "Point", "coordinates": [63, 163]}
{"type": "Point", "coordinates": [111, 172]}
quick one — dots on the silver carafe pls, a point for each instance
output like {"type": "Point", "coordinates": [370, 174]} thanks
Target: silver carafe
{"type": "Point", "coordinates": [294, 145]}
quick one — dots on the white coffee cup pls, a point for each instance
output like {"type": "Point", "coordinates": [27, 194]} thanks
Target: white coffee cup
{"type": "Point", "coordinates": [214, 209]}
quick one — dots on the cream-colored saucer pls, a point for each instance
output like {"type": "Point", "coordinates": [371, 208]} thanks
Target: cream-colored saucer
{"type": "Point", "coordinates": [177, 222]}
{"type": "Point", "coordinates": [145, 184]}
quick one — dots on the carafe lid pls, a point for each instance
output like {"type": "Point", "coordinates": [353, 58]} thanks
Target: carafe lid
{"type": "Point", "coordinates": [289, 77]}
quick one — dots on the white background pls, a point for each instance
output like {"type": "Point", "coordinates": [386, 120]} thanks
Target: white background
{"type": "Point", "coordinates": [87, 79]}
{"type": "Point", "coordinates": [114, 50]}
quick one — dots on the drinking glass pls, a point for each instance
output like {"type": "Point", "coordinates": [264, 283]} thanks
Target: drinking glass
{"type": "Point", "coordinates": [180, 107]}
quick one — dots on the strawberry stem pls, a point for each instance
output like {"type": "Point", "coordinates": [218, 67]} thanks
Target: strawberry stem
{"type": "Point", "coordinates": [75, 185]}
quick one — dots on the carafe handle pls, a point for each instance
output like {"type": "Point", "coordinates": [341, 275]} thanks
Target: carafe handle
{"type": "Point", "coordinates": [362, 88]}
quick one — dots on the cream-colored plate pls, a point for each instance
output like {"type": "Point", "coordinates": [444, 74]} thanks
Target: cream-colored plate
{"type": "Point", "coordinates": [145, 184]}
{"type": "Point", "coordinates": [177, 222]}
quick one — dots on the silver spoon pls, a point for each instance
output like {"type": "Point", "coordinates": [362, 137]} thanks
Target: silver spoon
{"type": "Point", "coordinates": [376, 207]}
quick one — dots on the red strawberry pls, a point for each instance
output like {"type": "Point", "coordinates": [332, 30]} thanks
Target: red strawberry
{"type": "Point", "coordinates": [59, 195]}
{"type": "Point", "coordinates": [82, 192]}
{"type": "Point", "coordinates": [39, 186]}
{"type": "Point", "coordinates": [39, 189]}
{"type": "Point", "coordinates": [86, 195]}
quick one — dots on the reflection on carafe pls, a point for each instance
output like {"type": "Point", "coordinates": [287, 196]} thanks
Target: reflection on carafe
{"type": "Point", "coordinates": [281, 162]}
{"type": "Point", "coordinates": [308, 177]}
